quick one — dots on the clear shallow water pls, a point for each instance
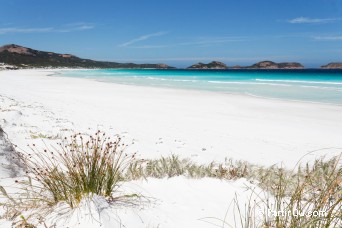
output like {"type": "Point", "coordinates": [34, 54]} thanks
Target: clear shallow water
{"type": "Point", "coordinates": [312, 85]}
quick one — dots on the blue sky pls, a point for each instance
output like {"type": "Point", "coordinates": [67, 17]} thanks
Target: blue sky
{"type": "Point", "coordinates": [179, 32]}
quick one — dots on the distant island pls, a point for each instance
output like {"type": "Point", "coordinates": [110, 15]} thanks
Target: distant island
{"type": "Point", "coordinates": [211, 65]}
{"type": "Point", "coordinates": [14, 56]}
{"type": "Point", "coordinates": [259, 65]}
{"type": "Point", "coordinates": [273, 65]}
{"type": "Point", "coordinates": [332, 66]}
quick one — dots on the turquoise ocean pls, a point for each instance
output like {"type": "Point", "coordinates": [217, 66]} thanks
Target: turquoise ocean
{"type": "Point", "coordinates": [309, 85]}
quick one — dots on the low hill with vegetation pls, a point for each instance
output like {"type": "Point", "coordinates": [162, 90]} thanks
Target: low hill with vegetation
{"type": "Point", "coordinates": [23, 57]}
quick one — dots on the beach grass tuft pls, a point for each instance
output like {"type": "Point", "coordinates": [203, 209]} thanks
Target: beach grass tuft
{"type": "Point", "coordinates": [308, 196]}
{"type": "Point", "coordinates": [78, 168]}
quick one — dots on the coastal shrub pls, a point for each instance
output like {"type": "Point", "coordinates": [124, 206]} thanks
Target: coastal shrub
{"type": "Point", "coordinates": [79, 167]}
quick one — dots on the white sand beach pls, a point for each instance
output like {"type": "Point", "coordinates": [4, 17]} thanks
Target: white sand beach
{"type": "Point", "coordinates": [203, 126]}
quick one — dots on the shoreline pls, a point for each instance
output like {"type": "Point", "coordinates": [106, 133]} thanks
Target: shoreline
{"type": "Point", "coordinates": [194, 89]}
{"type": "Point", "coordinates": [204, 126]}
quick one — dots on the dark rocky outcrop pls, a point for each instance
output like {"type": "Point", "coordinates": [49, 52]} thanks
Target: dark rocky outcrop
{"type": "Point", "coordinates": [211, 65]}
{"type": "Point", "coordinates": [273, 65]}
{"type": "Point", "coordinates": [24, 57]}
{"type": "Point", "coordinates": [335, 65]}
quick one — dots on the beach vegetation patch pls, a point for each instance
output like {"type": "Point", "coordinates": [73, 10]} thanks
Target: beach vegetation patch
{"type": "Point", "coordinates": [174, 165]}
{"type": "Point", "coordinates": [35, 135]}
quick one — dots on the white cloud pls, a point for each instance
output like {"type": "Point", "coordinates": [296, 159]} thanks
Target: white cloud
{"type": "Point", "coordinates": [150, 46]}
{"type": "Point", "coordinates": [200, 42]}
{"type": "Point", "coordinates": [208, 41]}
{"type": "Point", "coordinates": [65, 28]}
{"type": "Point", "coordinates": [24, 30]}
{"type": "Point", "coordinates": [141, 38]}
{"type": "Point", "coordinates": [307, 20]}
{"type": "Point", "coordinates": [328, 38]}
{"type": "Point", "coordinates": [76, 27]}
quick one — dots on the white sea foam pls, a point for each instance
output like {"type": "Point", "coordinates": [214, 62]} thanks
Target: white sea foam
{"type": "Point", "coordinates": [281, 84]}
{"type": "Point", "coordinates": [321, 87]}
{"type": "Point", "coordinates": [171, 79]}
{"type": "Point", "coordinates": [247, 83]}
{"type": "Point", "coordinates": [299, 81]}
